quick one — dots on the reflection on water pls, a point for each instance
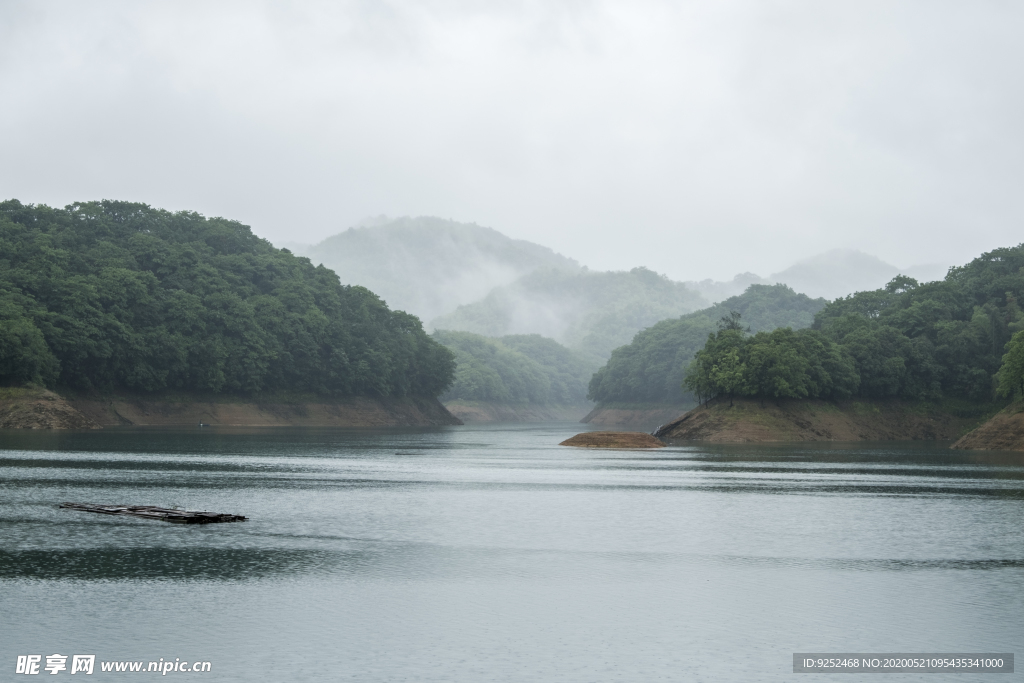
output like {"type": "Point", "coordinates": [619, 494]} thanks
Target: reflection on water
{"type": "Point", "coordinates": [490, 553]}
{"type": "Point", "coordinates": [160, 563]}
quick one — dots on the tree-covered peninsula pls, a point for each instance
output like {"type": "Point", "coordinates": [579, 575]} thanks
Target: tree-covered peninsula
{"type": "Point", "coordinates": [651, 368]}
{"type": "Point", "coordinates": [943, 339]}
{"type": "Point", "coordinates": [112, 296]}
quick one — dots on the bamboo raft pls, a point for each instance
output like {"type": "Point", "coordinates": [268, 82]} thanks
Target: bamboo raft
{"type": "Point", "coordinates": [154, 512]}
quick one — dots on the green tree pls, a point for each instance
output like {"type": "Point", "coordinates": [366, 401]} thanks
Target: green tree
{"type": "Point", "coordinates": [717, 369]}
{"type": "Point", "coordinates": [777, 364]}
{"type": "Point", "coordinates": [24, 356]}
{"type": "Point", "coordinates": [1011, 373]}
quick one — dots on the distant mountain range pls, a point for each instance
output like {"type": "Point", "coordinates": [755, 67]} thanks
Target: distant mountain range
{"type": "Point", "coordinates": [429, 266]}
{"type": "Point", "coordinates": [830, 275]}
{"type": "Point", "coordinates": [466, 277]}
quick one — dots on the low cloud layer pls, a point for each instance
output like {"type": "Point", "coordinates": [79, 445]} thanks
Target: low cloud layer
{"type": "Point", "coordinates": [699, 139]}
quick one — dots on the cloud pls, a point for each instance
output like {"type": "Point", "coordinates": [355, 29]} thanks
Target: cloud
{"type": "Point", "coordinates": [699, 139]}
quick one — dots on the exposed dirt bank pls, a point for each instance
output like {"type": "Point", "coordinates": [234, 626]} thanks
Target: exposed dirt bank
{"type": "Point", "coordinates": [25, 408]}
{"type": "Point", "coordinates": [751, 421]}
{"type": "Point", "coordinates": [352, 412]}
{"type": "Point", "coordinates": [486, 411]}
{"type": "Point", "coordinates": [645, 416]}
{"type": "Point", "coordinates": [1004, 432]}
{"type": "Point", "coordinates": [613, 440]}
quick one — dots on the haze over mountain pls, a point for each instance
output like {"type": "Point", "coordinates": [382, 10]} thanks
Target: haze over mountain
{"type": "Point", "coordinates": [830, 275]}
{"type": "Point", "coordinates": [465, 277]}
{"type": "Point", "coordinates": [587, 311]}
{"type": "Point", "coordinates": [429, 266]}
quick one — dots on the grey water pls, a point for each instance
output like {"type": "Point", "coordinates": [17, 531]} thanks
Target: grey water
{"type": "Point", "coordinates": [493, 554]}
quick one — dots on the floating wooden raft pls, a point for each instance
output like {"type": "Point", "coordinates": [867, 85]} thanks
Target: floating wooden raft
{"type": "Point", "coordinates": [153, 512]}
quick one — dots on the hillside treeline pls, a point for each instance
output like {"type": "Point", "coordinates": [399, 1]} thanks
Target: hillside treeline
{"type": "Point", "coordinates": [651, 368]}
{"type": "Point", "coordinates": [780, 363]}
{"type": "Point", "coordinates": [526, 368]}
{"type": "Point", "coordinates": [907, 340]}
{"type": "Point", "coordinates": [110, 295]}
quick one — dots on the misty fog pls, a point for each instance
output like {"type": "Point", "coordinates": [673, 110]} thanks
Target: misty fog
{"type": "Point", "coordinates": [470, 278]}
{"type": "Point", "coordinates": [700, 140]}
{"type": "Point", "coordinates": [429, 266]}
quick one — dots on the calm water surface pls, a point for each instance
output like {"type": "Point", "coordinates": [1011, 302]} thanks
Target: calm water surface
{"type": "Point", "coordinates": [491, 554]}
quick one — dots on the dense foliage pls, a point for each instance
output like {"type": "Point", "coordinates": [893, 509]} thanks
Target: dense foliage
{"type": "Point", "coordinates": [589, 312]}
{"type": "Point", "coordinates": [777, 364]}
{"type": "Point", "coordinates": [1011, 374]}
{"type": "Point", "coordinates": [943, 338]}
{"type": "Point", "coordinates": [118, 295]}
{"type": "Point", "coordinates": [515, 369]}
{"type": "Point", "coordinates": [651, 368]}
{"type": "Point", "coordinates": [907, 340]}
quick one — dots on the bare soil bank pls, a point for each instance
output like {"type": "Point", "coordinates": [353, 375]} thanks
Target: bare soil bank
{"type": "Point", "coordinates": [751, 421]}
{"type": "Point", "coordinates": [644, 416]}
{"type": "Point", "coordinates": [23, 408]}
{"type": "Point", "coordinates": [1004, 432]}
{"type": "Point", "coordinates": [613, 440]}
{"type": "Point", "coordinates": [487, 411]}
{"type": "Point", "coordinates": [41, 409]}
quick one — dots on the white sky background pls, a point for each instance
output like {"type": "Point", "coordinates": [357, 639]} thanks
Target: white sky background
{"type": "Point", "coordinates": [699, 139]}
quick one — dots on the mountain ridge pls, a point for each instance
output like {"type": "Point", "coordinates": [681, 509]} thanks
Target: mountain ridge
{"type": "Point", "coordinates": [830, 275]}
{"type": "Point", "coordinates": [429, 266]}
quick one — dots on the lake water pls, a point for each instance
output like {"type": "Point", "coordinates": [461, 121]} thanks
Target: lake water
{"type": "Point", "coordinates": [489, 553]}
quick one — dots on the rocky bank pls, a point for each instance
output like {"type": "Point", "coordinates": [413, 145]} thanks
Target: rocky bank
{"type": "Point", "coordinates": [623, 440]}
{"type": "Point", "coordinates": [753, 421]}
{"type": "Point", "coordinates": [1004, 432]}
{"type": "Point", "coordinates": [30, 408]}
{"type": "Point", "coordinates": [42, 409]}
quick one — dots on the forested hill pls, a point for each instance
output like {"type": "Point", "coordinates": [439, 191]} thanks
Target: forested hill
{"type": "Point", "coordinates": [116, 295]}
{"type": "Point", "coordinates": [517, 369]}
{"type": "Point", "coordinates": [651, 368]}
{"type": "Point", "coordinates": [940, 338]}
{"type": "Point", "coordinates": [958, 338]}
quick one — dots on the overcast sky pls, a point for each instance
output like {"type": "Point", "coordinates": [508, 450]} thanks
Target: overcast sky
{"type": "Point", "coordinates": [699, 139]}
